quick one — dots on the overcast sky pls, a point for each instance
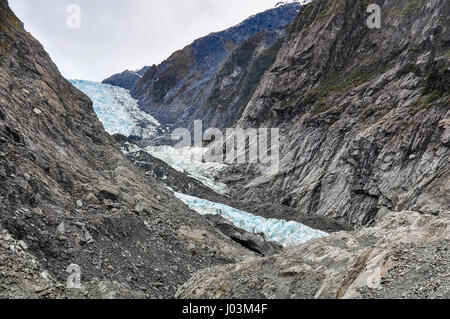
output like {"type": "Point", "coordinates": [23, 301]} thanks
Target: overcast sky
{"type": "Point", "coordinates": [116, 35]}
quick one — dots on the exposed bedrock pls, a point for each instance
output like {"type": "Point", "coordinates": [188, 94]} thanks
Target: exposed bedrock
{"type": "Point", "coordinates": [364, 113]}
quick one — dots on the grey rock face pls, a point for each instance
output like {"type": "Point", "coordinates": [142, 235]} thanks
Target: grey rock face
{"type": "Point", "coordinates": [364, 114]}
{"type": "Point", "coordinates": [405, 255]}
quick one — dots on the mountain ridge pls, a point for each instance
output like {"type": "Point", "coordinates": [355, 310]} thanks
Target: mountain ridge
{"type": "Point", "coordinates": [174, 91]}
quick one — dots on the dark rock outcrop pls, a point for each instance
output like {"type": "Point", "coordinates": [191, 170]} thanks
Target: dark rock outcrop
{"type": "Point", "coordinates": [127, 79]}
{"type": "Point", "coordinates": [253, 242]}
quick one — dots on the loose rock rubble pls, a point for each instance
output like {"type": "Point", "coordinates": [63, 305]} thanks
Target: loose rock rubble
{"type": "Point", "coordinates": [405, 255]}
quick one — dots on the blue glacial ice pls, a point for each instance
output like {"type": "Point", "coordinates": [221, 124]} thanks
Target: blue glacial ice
{"type": "Point", "coordinates": [186, 160]}
{"type": "Point", "coordinates": [117, 110]}
{"type": "Point", "coordinates": [276, 230]}
{"type": "Point", "coordinates": [119, 113]}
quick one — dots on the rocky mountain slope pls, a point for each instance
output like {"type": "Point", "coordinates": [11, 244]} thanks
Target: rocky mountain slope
{"type": "Point", "coordinates": [214, 77]}
{"type": "Point", "coordinates": [365, 140]}
{"type": "Point", "coordinates": [127, 79]}
{"type": "Point", "coordinates": [364, 113]}
{"type": "Point", "coordinates": [69, 196]}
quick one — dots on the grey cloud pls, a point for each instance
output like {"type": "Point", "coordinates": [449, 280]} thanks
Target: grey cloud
{"type": "Point", "coordinates": [118, 35]}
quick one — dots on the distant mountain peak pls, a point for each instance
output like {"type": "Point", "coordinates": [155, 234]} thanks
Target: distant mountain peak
{"type": "Point", "coordinates": [180, 88]}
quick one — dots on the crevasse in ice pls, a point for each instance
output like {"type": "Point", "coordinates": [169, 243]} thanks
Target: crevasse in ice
{"type": "Point", "coordinates": [276, 230]}
{"type": "Point", "coordinates": [117, 110]}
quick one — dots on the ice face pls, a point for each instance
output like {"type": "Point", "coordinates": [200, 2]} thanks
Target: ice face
{"type": "Point", "coordinates": [117, 110]}
{"type": "Point", "coordinates": [188, 160]}
{"type": "Point", "coordinates": [276, 230]}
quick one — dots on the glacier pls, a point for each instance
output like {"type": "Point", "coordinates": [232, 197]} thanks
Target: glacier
{"type": "Point", "coordinates": [276, 230]}
{"type": "Point", "coordinates": [119, 113]}
{"type": "Point", "coordinates": [118, 110]}
{"type": "Point", "coordinates": [187, 160]}
{"type": "Point", "coordinates": [183, 160]}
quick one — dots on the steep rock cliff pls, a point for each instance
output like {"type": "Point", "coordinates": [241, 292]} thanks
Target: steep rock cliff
{"type": "Point", "coordinates": [364, 113]}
